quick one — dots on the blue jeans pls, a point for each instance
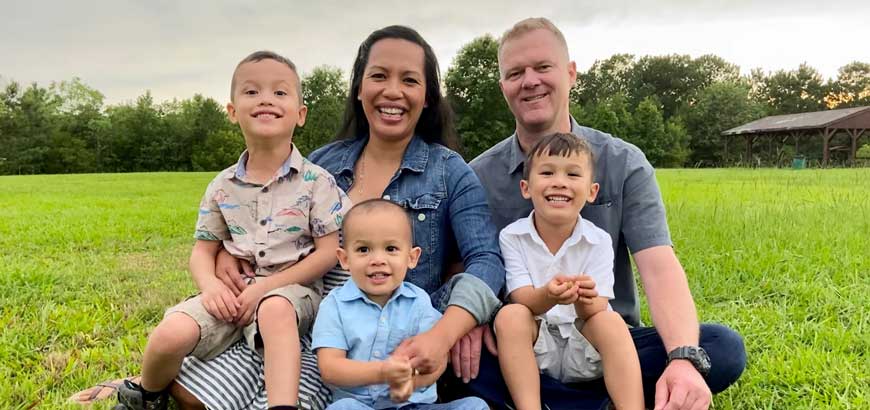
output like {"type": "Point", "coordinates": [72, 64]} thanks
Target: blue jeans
{"type": "Point", "coordinates": [723, 345]}
{"type": "Point", "coordinates": [468, 403]}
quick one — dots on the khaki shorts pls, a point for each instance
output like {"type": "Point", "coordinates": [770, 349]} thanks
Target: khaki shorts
{"type": "Point", "coordinates": [216, 336]}
{"type": "Point", "coordinates": [569, 360]}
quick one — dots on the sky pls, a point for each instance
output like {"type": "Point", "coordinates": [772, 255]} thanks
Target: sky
{"type": "Point", "coordinates": [179, 48]}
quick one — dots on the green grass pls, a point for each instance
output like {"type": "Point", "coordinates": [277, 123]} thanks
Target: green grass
{"type": "Point", "coordinates": [89, 263]}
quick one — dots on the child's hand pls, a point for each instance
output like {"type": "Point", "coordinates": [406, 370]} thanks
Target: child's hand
{"type": "Point", "coordinates": [400, 393]}
{"type": "Point", "coordinates": [586, 293]}
{"type": "Point", "coordinates": [220, 302]}
{"type": "Point", "coordinates": [396, 370]}
{"type": "Point", "coordinates": [562, 289]}
{"type": "Point", "coordinates": [248, 302]}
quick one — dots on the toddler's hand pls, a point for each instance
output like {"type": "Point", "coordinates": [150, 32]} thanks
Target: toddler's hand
{"type": "Point", "coordinates": [400, 393]}
{"type": "Point", "coordinates": [396, 370]}
{"type": "Point", "coordinates": [562, 289]}
{"type": "Point", "coordinates": [220, 302]}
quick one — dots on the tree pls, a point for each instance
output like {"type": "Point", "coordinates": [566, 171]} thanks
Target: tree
{"type": "Point", "coordinates": [790, 92]}
{"type": "Point", "coordinates": [664, 143]}
{"type": "Point", "coordinates": [852, 87]}
{"type": "Point", "coordinates": [220, 149]}
{"type": "Point", "coordinates": [605, 79]}
{"type": "Point", "coordinates": [483, 117]}
{"type": "Point", "coordinates": [324, 92]}
{"type": "Point", "coordinates": [719, 107]}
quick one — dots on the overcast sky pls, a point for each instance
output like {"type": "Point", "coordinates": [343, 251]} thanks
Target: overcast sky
{"type": "Point", "coordinates": [177, 48]}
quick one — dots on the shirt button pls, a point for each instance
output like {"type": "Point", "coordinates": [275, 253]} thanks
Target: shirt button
{"type": "Point", "coordinates": [421, 217]}
{"type": "Point", "coordinates": [387, 197]}
{"type": "Point", "coordinates": [263, 222]}
{"type": "Point", "coordinates": [262, 253]}
{"type": "Point", "coordinates": [377, 353]}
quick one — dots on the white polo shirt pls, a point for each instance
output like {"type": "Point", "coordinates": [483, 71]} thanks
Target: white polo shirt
{"type": "Point", "coordinates": [528, 262]}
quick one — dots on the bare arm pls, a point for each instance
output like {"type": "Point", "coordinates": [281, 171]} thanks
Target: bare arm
{"type": "Point", "coordinates": [670, 301]}
{"type": "Point", "coordinates": [586, 310]}
{"type": "Point", "coordinates": [309, 269]}
{"type": "Point", "coordinates": [535, 299]}
{"type": "Point", "coordinates": [202, 259]}
{"type": "Point", "coordinates": [337, 369]}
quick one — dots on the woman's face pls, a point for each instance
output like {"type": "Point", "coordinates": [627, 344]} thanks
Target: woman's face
{"type": "Point", "coordinates": [393, 89]}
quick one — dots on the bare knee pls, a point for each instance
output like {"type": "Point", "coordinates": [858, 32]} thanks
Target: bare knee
{"type": "Point", "coordinates": [515, 320]}
{"type": "Point", "coordinates": [607, 318]}
{"type": "Point", "coordinates": [176, 335]}
{"type": "Point", "coordinates": [275, 313]}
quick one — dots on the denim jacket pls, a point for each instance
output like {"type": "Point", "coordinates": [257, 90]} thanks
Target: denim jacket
{"type": "Point", "coordinates": [447, 205]}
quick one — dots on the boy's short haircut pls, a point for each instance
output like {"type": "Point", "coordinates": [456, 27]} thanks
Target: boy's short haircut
{"type": "Point", "coordinates": [561, 144]}
{"type": "Point", "coordinates": [528, 25]}
{"type": "Point", "coordinates": [261, 55]}
{"type": "Point", "coordinates": [371, 205]}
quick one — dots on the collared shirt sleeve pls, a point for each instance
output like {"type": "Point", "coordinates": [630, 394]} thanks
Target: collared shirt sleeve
{"type": "Point", "coordinates": [210, 224]}
{"type": "Point", "coordinates": [328, 330]}
{"type": "Point", "coordinates": [517, 273]}
{"type": "Point", "coordinates": [427, 316]}
{"type": "Point", "coordinates": [600, 267]}
{"type": "Point", "coordinates": [644, 223]}
{"type": "Point", "coordinates": [329, 203]}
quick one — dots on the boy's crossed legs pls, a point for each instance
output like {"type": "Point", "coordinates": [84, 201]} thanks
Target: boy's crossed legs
{"type": "Point", "coordinates": [517, 332]}
{"type": "Point", "coordinates": [188, 329]}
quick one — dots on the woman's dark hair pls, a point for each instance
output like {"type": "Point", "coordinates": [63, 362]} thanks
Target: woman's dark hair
{"type": "Point", "coordinates": [436, 120]}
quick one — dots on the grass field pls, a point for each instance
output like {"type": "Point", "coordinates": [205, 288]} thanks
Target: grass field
{"type": "Point", "coordinates": [89, 262]}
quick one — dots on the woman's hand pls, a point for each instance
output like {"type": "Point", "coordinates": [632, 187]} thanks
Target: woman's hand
{"type": "Point", "coordinates": [426, 351]}
{"type": "Point", "coordinates": [248, 302]}
{"type": "Point", "coordinates": [220, 302]}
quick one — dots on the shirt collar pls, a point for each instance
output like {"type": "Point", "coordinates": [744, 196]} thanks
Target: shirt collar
{"type": "Point", "coordinates": [350, 292]}
{"type": "Point", "coordinates": [517, 157]}
{"type": "Point", "coordinates": [414, 159]}
{"type": "Point", "coordinates": [581, 231]}
{"type": "Point", "coordinates": [293, 163]}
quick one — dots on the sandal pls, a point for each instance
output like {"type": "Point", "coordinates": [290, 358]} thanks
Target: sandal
{"type": "Point", "coordinates": [100, 392]}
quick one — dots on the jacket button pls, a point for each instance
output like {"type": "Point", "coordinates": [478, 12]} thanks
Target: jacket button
{"type": "Point", "coordinates": [421, 217]}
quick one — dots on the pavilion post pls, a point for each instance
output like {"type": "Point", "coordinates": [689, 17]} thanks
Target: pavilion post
{"type": "Point", "coordinates": [827, 134]}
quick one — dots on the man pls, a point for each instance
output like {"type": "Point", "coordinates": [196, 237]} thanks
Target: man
{"type": "Point", "coordinates": [536, 76]}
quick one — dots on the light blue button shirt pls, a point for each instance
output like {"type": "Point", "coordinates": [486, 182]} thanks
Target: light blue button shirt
{"type": "Point", "coordinates": [350, 321]}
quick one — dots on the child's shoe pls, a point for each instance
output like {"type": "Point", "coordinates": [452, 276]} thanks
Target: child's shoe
{"type": "Point", "coordinates": [131, 396]}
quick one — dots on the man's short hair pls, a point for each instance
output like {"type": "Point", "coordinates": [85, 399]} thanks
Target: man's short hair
{"type": "Point", "coordinates": [374, 204]}
{"type": "Point", "coordinates": [531, 24]}
{"type": "Point", "coordinates": [561, 144]}
{"type": "Point", "coordinates": [261, 55]}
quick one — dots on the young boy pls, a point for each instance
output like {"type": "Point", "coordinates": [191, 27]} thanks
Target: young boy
{"type": "Point", "coordinates": [550, 257]}
{"type": "Point", "coordinates": [276, 210]}
{"type": "Point", "coordinates": [361, 323]}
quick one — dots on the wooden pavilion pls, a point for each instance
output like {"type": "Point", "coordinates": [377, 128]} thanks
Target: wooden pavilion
{"type": "Point", "coordinates": [851, 121]}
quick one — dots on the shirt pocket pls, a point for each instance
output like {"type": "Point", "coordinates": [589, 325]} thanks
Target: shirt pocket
{"type": "Point", "coordinates": [604, 213]}
{"type": "Point", "coordinates": [426, 222]}
{"type": "Point", "coordinates": [399, 332]}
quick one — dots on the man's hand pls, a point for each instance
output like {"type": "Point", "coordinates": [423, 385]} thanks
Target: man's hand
{"type": "Point", "coordinates": [465, 354]}
{"type": "Point", "coordinates": [220, 302]}
{"type": "Point", "coordinates": [426, 351]}
{"type": "Point", "coordinates": [248, 302]}
{"type": "Point", "coordinates": [231, 270]}
{"type": "Point", "coordinates": [681, 387]}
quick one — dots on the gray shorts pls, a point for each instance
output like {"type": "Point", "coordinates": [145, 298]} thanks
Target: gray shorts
{"type": "Point", "coordinates": [216, 336]}
{"type": "Point", "coordinates": [568, 359]}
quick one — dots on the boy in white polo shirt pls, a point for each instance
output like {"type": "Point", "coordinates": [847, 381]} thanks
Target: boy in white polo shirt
{"type": "Point", "coordinates": [553, 259]}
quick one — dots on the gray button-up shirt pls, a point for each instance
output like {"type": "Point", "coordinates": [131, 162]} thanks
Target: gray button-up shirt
{"type": "Point", "coordinates": [629, 205]}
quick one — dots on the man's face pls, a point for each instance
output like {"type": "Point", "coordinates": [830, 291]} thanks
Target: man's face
{"type": "Point", "coordinates": [536, 78]}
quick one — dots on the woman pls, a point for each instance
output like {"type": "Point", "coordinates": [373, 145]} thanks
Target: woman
{"type": "Point", "coordinates": [393, 144]}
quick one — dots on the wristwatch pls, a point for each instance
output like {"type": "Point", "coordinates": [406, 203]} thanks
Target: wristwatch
{"type": "Point", "coordinates": [695, 355]}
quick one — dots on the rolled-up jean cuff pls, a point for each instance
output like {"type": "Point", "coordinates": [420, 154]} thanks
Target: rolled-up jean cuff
{"type": "Point", "coordinates": [473, 295]}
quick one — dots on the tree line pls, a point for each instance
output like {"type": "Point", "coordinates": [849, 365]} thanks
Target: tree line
{"type": "Point", "coordinates": [674, 107]}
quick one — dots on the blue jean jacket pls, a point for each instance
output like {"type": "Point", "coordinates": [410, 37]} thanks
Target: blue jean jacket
{"type": "Point", "coordinates": [447, 206]}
